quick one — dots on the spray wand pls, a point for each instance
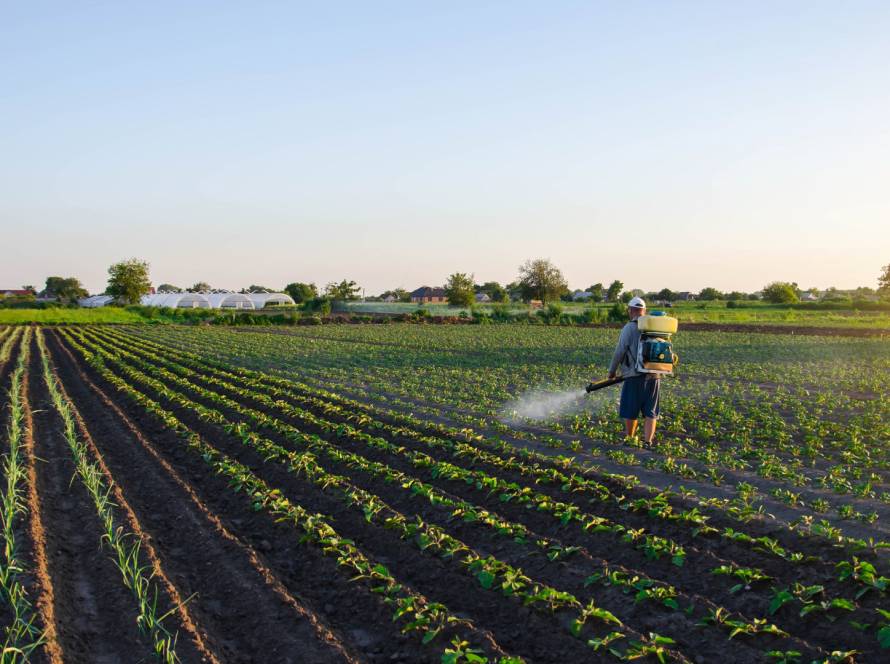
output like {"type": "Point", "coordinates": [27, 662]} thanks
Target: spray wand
{"type": "Point", "coordinates": [593, 387]}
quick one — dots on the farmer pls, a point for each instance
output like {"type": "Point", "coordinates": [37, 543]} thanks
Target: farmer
{"type": "Point", "coordinates": [639, 393]}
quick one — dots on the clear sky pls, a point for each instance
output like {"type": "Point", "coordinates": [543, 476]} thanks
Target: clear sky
{"type": "Point", "coordinates": [668, 144]}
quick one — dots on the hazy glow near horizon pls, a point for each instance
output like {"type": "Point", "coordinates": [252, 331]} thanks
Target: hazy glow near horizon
{"type": "Point", "coordinates": [676, 145]}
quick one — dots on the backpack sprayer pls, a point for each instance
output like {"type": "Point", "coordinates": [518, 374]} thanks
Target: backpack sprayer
{"type": "Point", "coordinates": [655, 353]}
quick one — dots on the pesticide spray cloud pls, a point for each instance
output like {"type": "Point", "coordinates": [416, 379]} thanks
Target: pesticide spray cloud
{"type": "Point", "coordinates": [538, 404]}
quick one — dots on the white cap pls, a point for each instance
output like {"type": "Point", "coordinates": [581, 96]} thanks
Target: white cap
{"type": "Point", "coordinates": [637, 303]}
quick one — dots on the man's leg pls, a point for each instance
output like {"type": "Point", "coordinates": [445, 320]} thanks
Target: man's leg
{"type": "Point", "coordinates": [649, 430]}
{"type": "Point", "coordinates": [630, 428]}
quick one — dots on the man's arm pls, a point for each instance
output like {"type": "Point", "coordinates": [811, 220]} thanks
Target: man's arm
{"type": "Point", "coordinates": [620, 350]}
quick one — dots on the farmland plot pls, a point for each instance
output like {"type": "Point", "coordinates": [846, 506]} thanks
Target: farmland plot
{"type": "Point", "coordinates": [360, 494]}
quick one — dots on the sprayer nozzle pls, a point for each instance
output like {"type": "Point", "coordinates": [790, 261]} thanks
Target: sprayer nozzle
{"type": "Point", "coordinates": [590, 388]}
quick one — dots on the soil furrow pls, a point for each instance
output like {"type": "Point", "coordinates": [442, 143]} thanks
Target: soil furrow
{"type": "Point", "coordinates": [240, 615]}
{"type": "Point", "coordinates": [541, 638]}
{"type": "Point", "coordinates": [688, 578]}
{"type": "Point", "coordinates": [356, 616]}
{"type": "Point", "coordinates": [93, 613]}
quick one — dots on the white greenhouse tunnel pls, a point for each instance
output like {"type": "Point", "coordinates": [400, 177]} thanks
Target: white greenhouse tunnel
{"type": "Point", "coordinates": [261, 300]}
{"type": "Point", "coordinates": [247, 301]}
{"type": "Point", "coordinates": [95, 301]}
{"type": "Point", "coordinates": [229, 301]}
{"type": "Point", "coordinates": [177, 300]}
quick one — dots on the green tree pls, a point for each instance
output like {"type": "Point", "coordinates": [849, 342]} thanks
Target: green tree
{"type": "Point", "coordinates": [710, 294]}
{"type": "Point", "coordinates": [128, 281]}
{"type": "Point", "coordinates": [626, 296]}
{"type": "Point", "coordinates": [345, 290]}
{"type": "Point", "coordinates": [665, 294]}
{"type": "Point", "coordinates": [540, 279]}
{"type": "Point", "coordinates": [736, 295]}
{"type": "Point", "coordinates": [66, 289]}
{"type": "Point", "coordinates": [253, 288]}
{"type": "Point", "coordinates": [495, 291]}
{"type": "Point", "coordinates": [169, 288]}
{"type": "Point", "coordinates": [200, 287]}
{"type": "Point", "coordinates": [459, 290]}
{"type": "Point", "coordinates": [597, 291]}
{"type": "Point", "coordinates": [884, 281]}
{"type": "Point", "coordinates": [514, 290]}
{"type": "Point", "coordinates": [780, 292]}
{"type": "Point", "coordinates": [614, 291]}
{"type": "Point", "coordinates": [301, 292]}
{"type": "Point", "coordinates": [398, 294]}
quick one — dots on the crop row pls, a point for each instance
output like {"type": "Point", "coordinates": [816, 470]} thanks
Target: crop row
{"type": "Point", "coordinates": [22, 634]}
{"type": "Point", "coordinates": [755, 425]}
{"type": "Point", "coordinates": [739, 573]}
{"type": "Point", "coordinates": [122, 544]}
{"type": "Point", "coordinates": [491, 572]}
{"type": "Point", "coordinates": [417, 615]}
{"type": "Point", "coordinates": [545, 470]}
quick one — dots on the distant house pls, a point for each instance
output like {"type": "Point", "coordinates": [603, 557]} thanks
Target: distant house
{"type": "Point", "coordinates": [809, 297]}
{"type": "Point", "coordinates": [428, 295]}
{"type": "Point", "coordinates": [684, 296]}
{"type": "Point", "coordinates": [483, 297]}
{"type": "Point", "coordinates": [536, 304]}
{"type": "Point", "coordinates": [15, 292]}
{"type": "Point", "coordinates": [581, 296]}
{"type": "Point", "coordinates": [390, 298]}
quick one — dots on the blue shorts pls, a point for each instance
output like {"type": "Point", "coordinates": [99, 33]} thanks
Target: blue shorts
{"type": "Point", "coordinates": [639, 394]}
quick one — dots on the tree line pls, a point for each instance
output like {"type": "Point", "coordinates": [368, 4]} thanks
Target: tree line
{"type": "Point", "coordinates": [537, 280]}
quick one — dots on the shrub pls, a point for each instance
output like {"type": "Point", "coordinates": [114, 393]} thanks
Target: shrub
{"type": "Point", "coordinates": [617, 313]}
{"type": "Point", "coordinates": [501, 313]}
{"type": "Point", "coordinates": [592, 315]}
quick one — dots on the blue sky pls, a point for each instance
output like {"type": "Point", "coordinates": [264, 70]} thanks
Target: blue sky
{"type": "Point", "coordinates": [677, 144]}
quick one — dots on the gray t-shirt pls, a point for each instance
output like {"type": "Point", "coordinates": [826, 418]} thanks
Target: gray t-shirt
{"type": "Point", "coordinates": [626, 352]}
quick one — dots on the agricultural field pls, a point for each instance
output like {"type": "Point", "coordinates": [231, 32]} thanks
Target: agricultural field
{"type": "Point", "coordinates": [746, 313]}
{"type": "Point", "coordinates": [381, 493]}
{"type": "Point", "coordinates": [65, 316]}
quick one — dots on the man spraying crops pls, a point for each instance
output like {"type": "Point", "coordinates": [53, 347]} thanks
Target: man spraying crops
{"type": "Point", "coordinates": [639, 392]}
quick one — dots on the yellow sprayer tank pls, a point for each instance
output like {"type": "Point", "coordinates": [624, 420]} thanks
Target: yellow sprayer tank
{"type": "Point", "coordinates": [659, 324]}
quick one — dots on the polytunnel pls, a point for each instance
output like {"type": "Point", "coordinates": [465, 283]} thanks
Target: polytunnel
{"type": "Point", "coordinates": [229, 301]}
{"type": "Point", "coordinates": [262, 300]}
{"type": "Point", "coordinates": [177, 300]}
{"type": "Point", "coordinates": [95, 301]}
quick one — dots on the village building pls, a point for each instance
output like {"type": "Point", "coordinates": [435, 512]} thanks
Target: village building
{"type": "Point", "coordinates": [429, 295]}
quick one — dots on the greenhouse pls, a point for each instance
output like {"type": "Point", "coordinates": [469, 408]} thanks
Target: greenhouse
{"type": "Point", "coordinates": [177, 300]}
{"type": "Point", "coordinates": [95, 301]}
{"type": "Point", "coordinates": [229, 301]}
{"type": "Point", "coordinates": [263, 300]}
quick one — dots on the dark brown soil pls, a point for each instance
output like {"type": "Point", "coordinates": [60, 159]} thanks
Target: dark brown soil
{"type": "Point", "coordinates": [704, 554]}
{"type": "Point", "coordinates": [357, 618]}
{"type": "Point", "coordinates": [90, 600]}
{"type": "Point", "coordinates": [695, 578]}
{"type": "Point", "coordinates": [232, 604]}
{"type": "Point", "coordinates": [540, 639]}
